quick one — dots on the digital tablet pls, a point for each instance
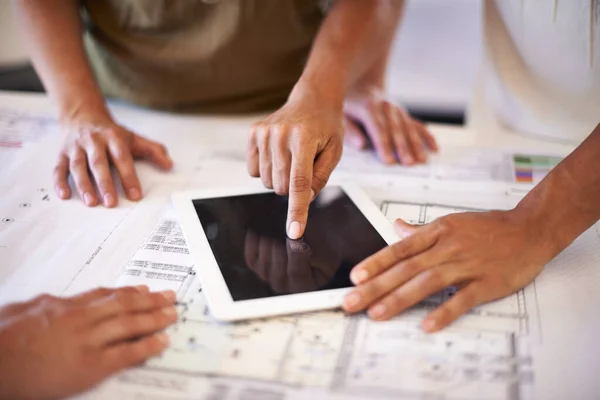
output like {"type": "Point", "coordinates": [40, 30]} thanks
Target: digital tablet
{"type": "Point", "coordinates": [249, 268]}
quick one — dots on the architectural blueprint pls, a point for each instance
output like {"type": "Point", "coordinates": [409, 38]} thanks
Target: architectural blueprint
{"type": "Point", "coordinates": [485, 355]}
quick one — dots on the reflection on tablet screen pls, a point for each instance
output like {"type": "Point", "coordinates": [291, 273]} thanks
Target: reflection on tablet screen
{"type": "Point", "coordinates": [248, 238]}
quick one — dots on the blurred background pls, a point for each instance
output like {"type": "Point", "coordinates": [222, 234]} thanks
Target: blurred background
{"type": "Point", "coordinates": [432, 71]}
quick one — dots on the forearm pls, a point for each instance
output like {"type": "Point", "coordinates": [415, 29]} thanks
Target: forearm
{"type": "Point", "coordinates": [353, 44]}
{"type": "Point", "coordinates": [567, 201]}
{"type": "Point", "coordinates": [53, 33]}
{"type": "Point", "coordinates": [374, 74]}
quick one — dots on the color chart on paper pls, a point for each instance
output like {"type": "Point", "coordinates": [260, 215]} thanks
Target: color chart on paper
{"type": "Point", "coordinates": [533, 168]}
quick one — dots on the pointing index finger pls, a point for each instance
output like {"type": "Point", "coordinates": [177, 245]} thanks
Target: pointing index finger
{"type": "Point", "coordinates": [300, 192]}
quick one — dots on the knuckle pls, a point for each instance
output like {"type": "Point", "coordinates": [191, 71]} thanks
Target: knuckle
{"type": "Point", "coordinates": [503, 281]}
{"type": "Point", "coordinates": [74, 313]}
{"type": "Point", "coordinates": [468, 299]}
{"type": "Point", "coordinates": [253, 171]}
{"type": "Point", "coordinates": [123, 302]}
{"type": "Point", "coordinates": [114, 134]}
{"type": "Point", "coordinates": [128, 326]}
{"type": "Point", "coordinates": [44, 298]}
{"type": "Point", "coordinates": [386, 141]}
{"type": "Point", "coordinates": [134, 352]}
{"type": "Point", "coordinates": [104, 185]}
{"type": "Point", "coordinates": [320, 178]}
{"type": "Point", "coordinates": [297, 212]}
{"type": "Point", "coordinates": [396, 300]}
{"type": "Point", "coordinates": [454, 248]}
{"type": "Point", "coordinates": [443, 225]}
{"type": "Point", "coordinates": [281, 190]}
{"type": "Point", "coordinates": [57, 173]}
{"type": "Point", "coordinates": [278, 130]}
{"type": "Point", "coordinates": [370, 290]}
{"type": "Point", "coordinates": [299, 184]}
{"type": "Point", "coordinates": [413, 267]}
{"type": "Point", "coordinates": [435, 278]}
{"type": "Point", "coordinates": [444, 313]}
{"type": "Point", "coordinates": [373, 104]}
{"type": "Point", "coordinates": [399, 251]}
{"type": "Point", "coordinates": [139, 323]}
{"type": "Point", "coordinates": [121, 155]}
{"type": "Point", "coordinates": [262, 132]}
{"type": "Point", "coordinates": [281, 168]}
{"type": "Point", "coordinates": [78, 162]}
{"type": "Point", "coordinates": [103, 292]}
{"type": "Point", "coordinates": [251, 138]}
{"type": "Point", "coordinates": [258, 127]}
{"type": "Point", "coordinates": [97, 160]}
{"type": "Point", "coordinates": [95, 136]}
{"type": "Point", "coordinates": [266, 180]}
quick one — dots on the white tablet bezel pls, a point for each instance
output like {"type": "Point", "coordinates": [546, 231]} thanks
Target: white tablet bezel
{"type": "Point", "coordinates": [220, 303]}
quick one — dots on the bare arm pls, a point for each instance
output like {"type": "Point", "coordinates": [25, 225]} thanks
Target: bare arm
{"type": "Point", "coordinates": [567, 201]}
{"type": "Point", "coordinates": [93, 140]}
{"type": "Point", "coordinates": [489, 255]}
{"type": "Point", "coordinates": [353, 43]}
{"type": "Point", "coordinates": [54, 35]}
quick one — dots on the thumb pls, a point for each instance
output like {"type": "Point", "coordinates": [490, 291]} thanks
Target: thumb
{"type": "Point", "coordinates": [404, 229]}
{"type": "Point", "coordinates": [155, 152]}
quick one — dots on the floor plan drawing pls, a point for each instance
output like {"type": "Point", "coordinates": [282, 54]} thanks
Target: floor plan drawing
{"type": "Point", "coordinates": [329, 354]}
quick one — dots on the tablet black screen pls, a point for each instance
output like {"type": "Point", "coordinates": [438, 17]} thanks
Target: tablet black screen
{"type": "Point", "coordinates": [248, 238]}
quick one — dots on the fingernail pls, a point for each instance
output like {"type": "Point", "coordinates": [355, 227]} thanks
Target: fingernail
{"type": "Point", "coordinates": [359, 276]}
{"type": "Point", "coordinates": [87, 198]}
{"type": "Point", "coordinates": [352, 300]}
{"type": "Point", "coordinates": [294, 231]}
{"type": "Point", "coordinates": [312, 195]}
{"type": "Point", "coordinates": [62, 193]}
{"type": "Point", "coordinates": [109, 199]}
{"type": "Point", "coordinates": [141, 288]}
{"type": "Point", "coordinates": [390, 160]}
{"type": "Point", "coordinates": [428, 325]}
{"type": "Point", "coordinates": [169, 295]}
{"type": "Point", "coordinates": [408, 160]}
{"type": "Point", "coordinates": [377, 311]}
{"type": "Point", "coordinates": [169, 312]}
{"type": "Point", "coordinates": [134, 194]}
{"type": "Point", "coordinates": [163, 338]}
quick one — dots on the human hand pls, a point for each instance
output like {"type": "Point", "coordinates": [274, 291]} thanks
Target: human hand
{"type": "Point", "coordinates": [488, 255]}
{"type": "Point", "coordinates": [396, 136]}
{"type": "Point", "coordinates": [294, 152]}
{"type": "Point", "coordinates": [92, 145]}
{"type": "Point", "coordinates": [288, 267]}
{"type": "Point", "coordinates": [51, 347]}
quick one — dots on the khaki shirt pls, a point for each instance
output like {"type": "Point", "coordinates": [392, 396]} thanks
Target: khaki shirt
{"type": "Point", "coordinates": [193, 55]}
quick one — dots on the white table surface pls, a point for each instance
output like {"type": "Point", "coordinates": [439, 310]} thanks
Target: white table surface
{"type": "Point", "coordinates": [189, 137]}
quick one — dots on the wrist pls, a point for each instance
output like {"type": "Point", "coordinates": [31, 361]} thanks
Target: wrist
{"type": "Point", "coordinates": [329, 96]}
{"type": "Point", "coordinates": [368, 84]}
{"type": "Point", "coordinates": [540, 226]}
{"type": "Point", "coordinates": [81, 109]}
